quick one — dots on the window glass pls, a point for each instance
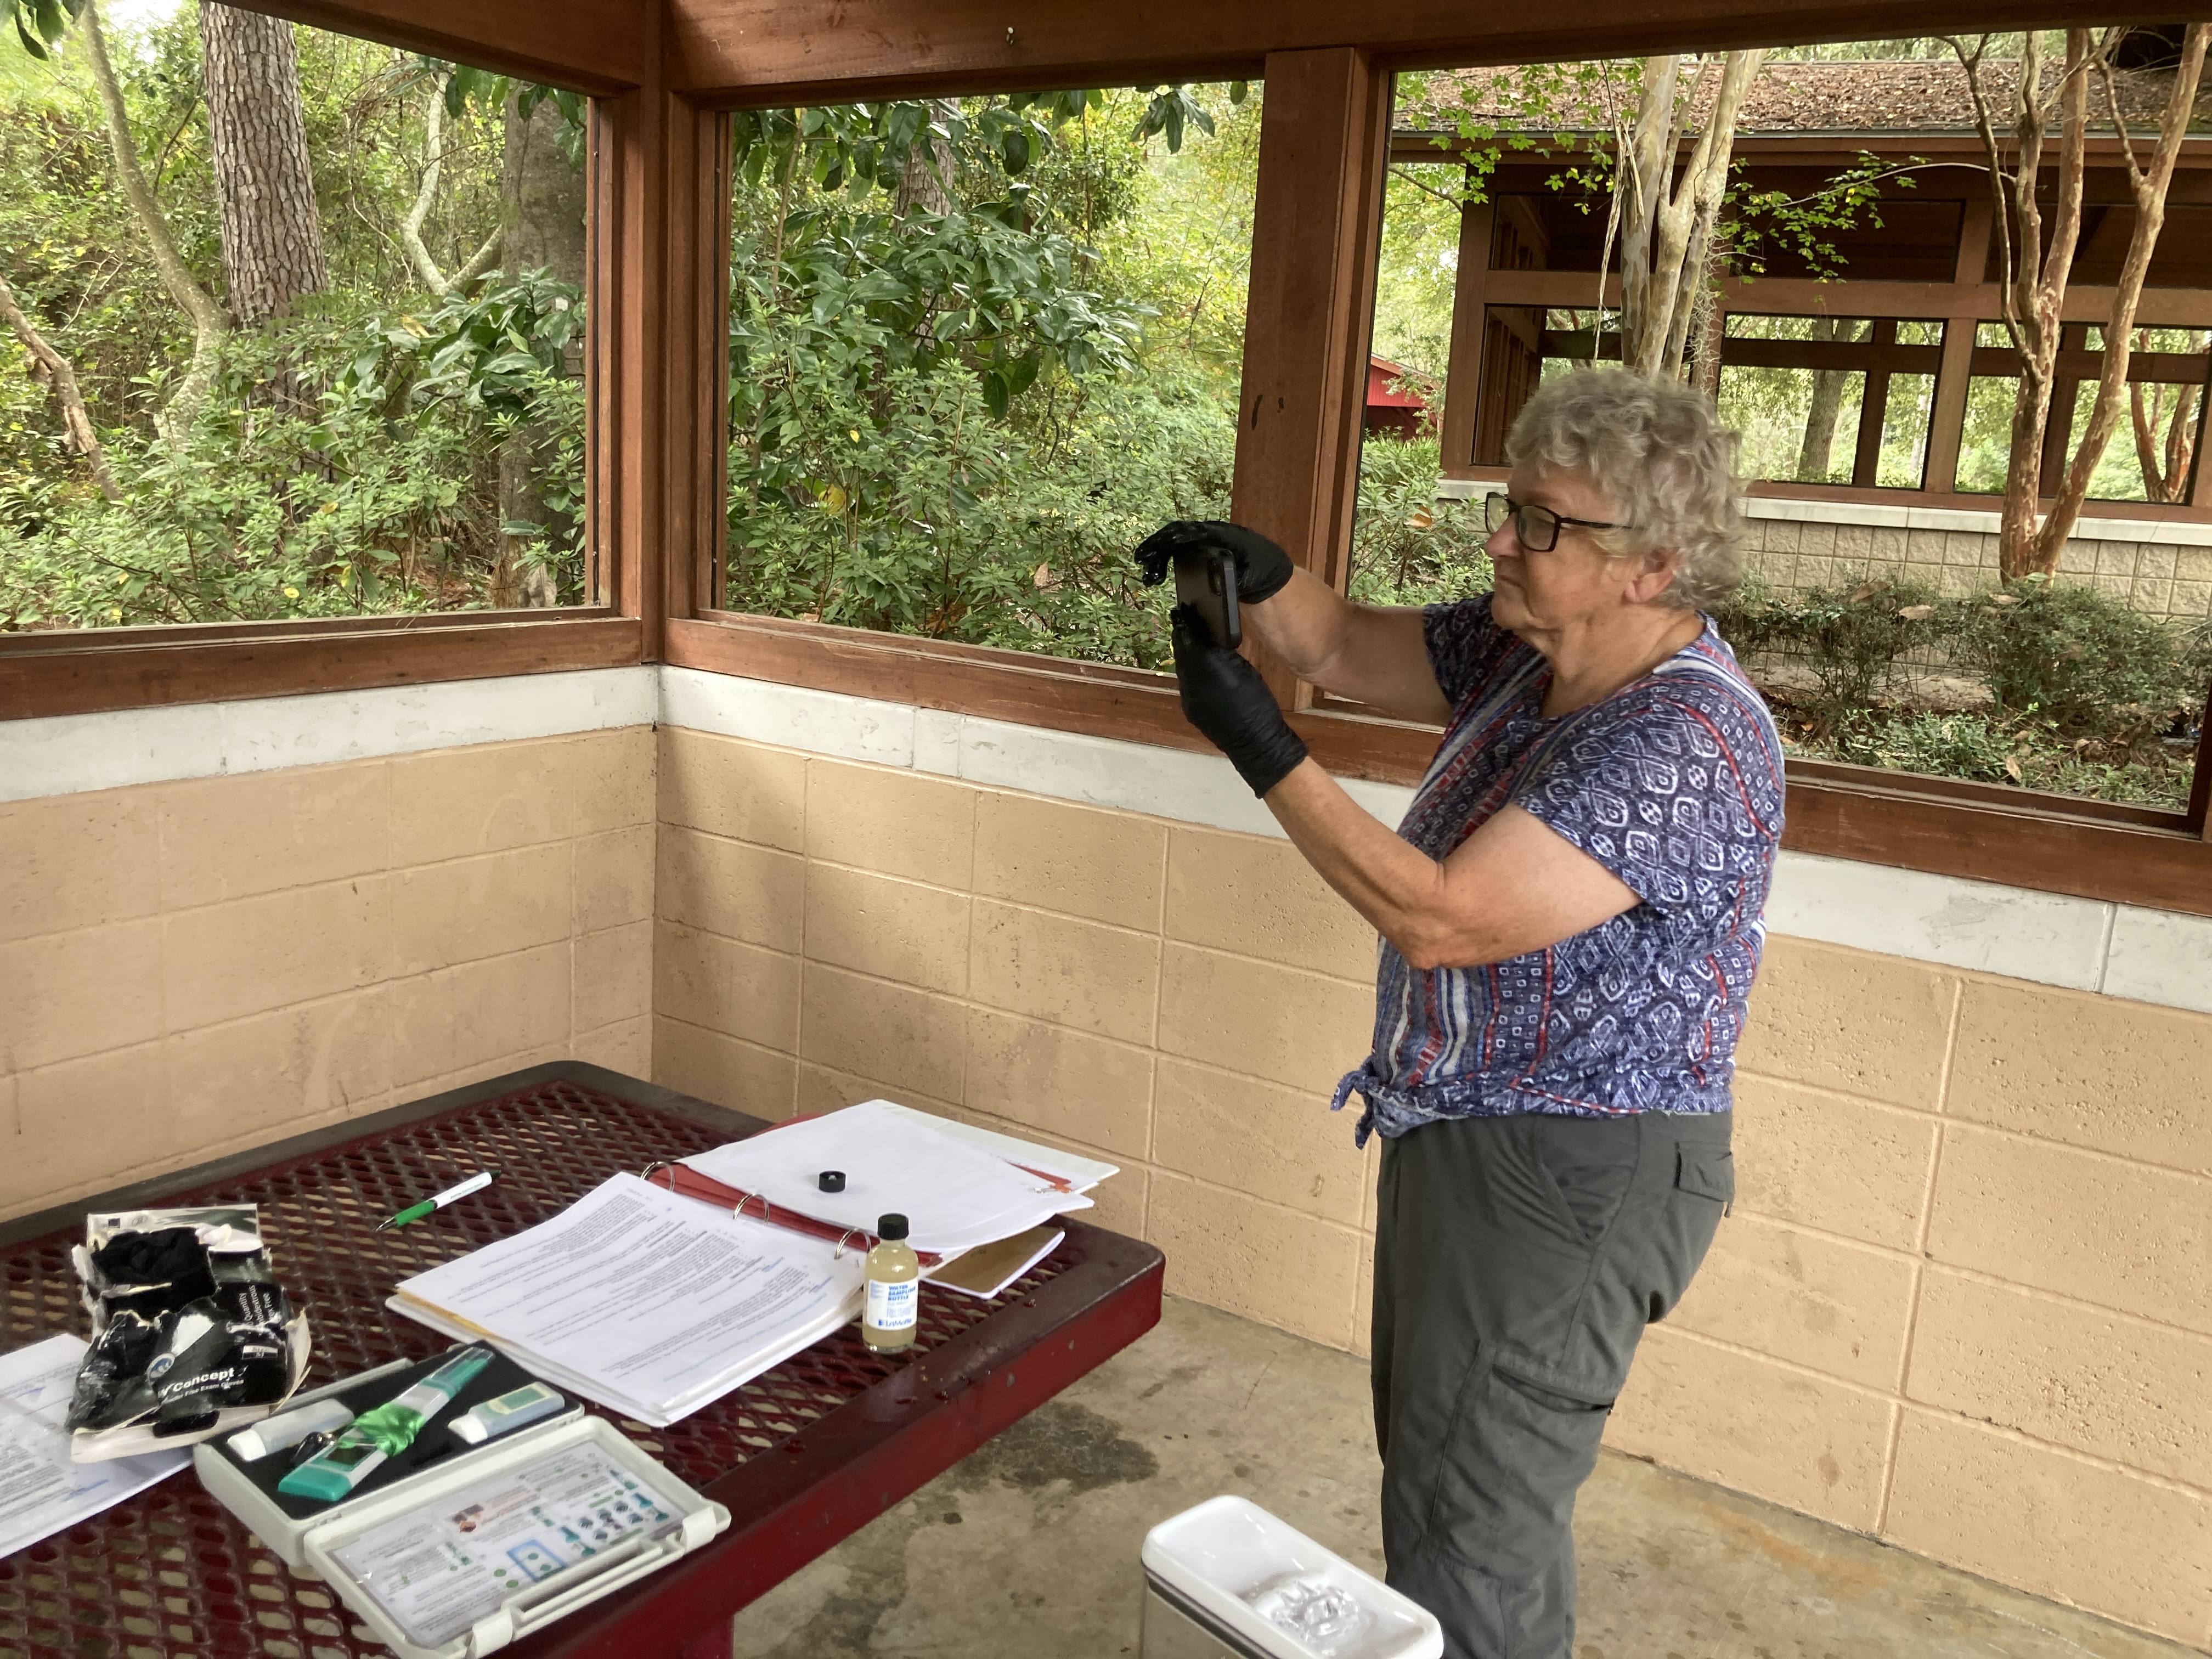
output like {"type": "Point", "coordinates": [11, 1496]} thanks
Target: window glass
{"type": "Point", "coordinates": [1880, 639]}
{"type": "Point", "coordinates": [978, 347]}
{"type": "Point", "coordinates": [327, 363]}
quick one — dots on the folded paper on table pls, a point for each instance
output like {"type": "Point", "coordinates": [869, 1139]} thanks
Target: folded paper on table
{"type": "Point", "coordinates": [955, 1193]}
{"type": "Point", "coordinates": [42, 1489]}
{"type": "Point", "coordinates": [649, 1303]}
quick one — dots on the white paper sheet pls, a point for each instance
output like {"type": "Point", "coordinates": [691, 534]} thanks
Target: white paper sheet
{"type": "Point", "coordinates": [1080, 1173]}
{"type": "Point", "coordinates": [437, 1571]}
{"type": "Point", "coordinates": [41, 1490]}
{"type": "Point", "coordinates": [645, 1302]}
{"type": "Point", "coordinates": [954, 1195]}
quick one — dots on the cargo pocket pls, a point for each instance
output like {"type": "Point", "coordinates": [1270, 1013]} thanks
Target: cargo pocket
{"type": "Point", "coordinates": [1507, 1477]}
{"type": "Point", "coordinates": [1708, 1174]}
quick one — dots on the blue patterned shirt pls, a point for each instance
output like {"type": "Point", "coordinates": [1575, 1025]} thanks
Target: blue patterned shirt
{"type": "Point", "coordinates": [1673, 783]}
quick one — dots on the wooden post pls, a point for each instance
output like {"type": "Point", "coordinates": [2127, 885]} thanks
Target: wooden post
{"type": "Point", "coordinates": [1463, 366]}
{"type": "Point", "coordinates": [1947, 417]}
{"type": "Point", "coordinates": [660, 264]}
{"type": "Point", "coordinates": [1873, 406]}
{"type": "Point", "coordinates": [1322, 155]}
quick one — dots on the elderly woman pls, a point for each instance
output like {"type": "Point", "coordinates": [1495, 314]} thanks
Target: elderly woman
{"type": "Point", "coordinates": [1570, 921]}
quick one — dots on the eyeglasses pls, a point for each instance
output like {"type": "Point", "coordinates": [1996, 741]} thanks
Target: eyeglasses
{"type": "Point", "coordinates": [1536, 528]}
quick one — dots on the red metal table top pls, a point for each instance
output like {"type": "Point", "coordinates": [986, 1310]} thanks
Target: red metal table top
{"type": "Point", "coordinates": [802, 1455]}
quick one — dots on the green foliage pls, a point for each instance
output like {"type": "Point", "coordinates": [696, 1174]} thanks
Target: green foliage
{"type": "Point", "coordinates": [1801, 225]}
{"type": "Point", "coordinates": [2076, 657]}
{"type": "Point", "coordinates": [377, 492]}
{"type": "Point", "coordinates": [1851, 640]}
{"type": "Point", "coordinates": [39, 24]}
{"type": "Point", "coordinates": [1407, 547]}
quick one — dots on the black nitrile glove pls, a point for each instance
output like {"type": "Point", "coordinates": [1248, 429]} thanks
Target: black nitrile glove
{"type": "Point", "coordinates": [1263, 569]}
{"type": "Point", "coordinates": [1224, 697]}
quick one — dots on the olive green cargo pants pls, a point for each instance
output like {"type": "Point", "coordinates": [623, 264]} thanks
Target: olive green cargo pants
{"type": "Point", "coordinates": [1517, 1261]}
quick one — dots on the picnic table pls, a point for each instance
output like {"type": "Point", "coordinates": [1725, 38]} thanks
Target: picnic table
{"type": "Point", "coordinates": [803, 1455]}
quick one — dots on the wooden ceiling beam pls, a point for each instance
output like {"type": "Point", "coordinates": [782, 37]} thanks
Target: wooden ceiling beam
{"type": "Point", "coordinates": [584, 45]}
{"type": "Point", "coordinates": [782, 52]}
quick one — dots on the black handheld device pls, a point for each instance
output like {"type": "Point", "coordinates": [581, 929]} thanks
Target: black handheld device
{"type": "Point", "coordinates": [1205, 580]}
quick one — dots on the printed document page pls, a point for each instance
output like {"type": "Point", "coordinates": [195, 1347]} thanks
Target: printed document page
{"type": "Point", "coordinates": [642, 1299]}
{"type": "Point", "coordinates": [41, 1490]}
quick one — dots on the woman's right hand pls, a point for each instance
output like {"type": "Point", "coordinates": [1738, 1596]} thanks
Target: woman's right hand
{"type": "Point", "coordinates": [1263, 569]}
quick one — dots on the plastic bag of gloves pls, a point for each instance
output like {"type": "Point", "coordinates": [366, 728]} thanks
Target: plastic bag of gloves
{"type": "Point", "coordinates": [192, 1336]}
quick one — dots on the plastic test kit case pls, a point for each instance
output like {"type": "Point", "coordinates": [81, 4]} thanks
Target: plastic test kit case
{"type": "Point", "coordinates": [312, 1539]}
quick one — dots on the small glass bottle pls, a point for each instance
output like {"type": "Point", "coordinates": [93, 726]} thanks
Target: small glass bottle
{"type": "Point", "coordinates": [894, 1302]}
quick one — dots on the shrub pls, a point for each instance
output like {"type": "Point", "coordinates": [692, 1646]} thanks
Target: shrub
{"type": "Point", "coordinates": [2073, 654]}
{"type": "Point", "coordinates": [1407, 547]}
{"type": "Point", "coordinates": [1849, 640]}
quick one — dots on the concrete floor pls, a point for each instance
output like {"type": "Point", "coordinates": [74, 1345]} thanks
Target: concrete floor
{"type": "Point", "coordinates": [1027, 1550]}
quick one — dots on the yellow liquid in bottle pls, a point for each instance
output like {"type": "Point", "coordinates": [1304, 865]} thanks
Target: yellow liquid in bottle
{"type": "Point", "coordinates": [892, 1312]}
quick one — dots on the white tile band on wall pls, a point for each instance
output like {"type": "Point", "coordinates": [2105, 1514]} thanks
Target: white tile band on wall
{"type": "Point", "coordinates": [71, 753]}
{"type": "Point", "coordinates": [2084, 944]}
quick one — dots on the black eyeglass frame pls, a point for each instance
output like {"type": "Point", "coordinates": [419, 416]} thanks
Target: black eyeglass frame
{"type": "Point", "coordinates": [1493, 521]}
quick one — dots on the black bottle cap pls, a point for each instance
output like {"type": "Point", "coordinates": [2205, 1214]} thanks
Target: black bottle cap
{"type": "Point", "coordinates": [891, 1226]}
{"type": "Point", "coordinates": [831, 1181]}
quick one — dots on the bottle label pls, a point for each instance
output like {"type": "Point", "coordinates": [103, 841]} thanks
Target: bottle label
{"type": "Point", "coordinates": [893, 1307]}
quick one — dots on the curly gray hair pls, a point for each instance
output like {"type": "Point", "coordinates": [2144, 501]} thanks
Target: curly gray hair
{"type": "Point", "coordinates": [1657, 449]}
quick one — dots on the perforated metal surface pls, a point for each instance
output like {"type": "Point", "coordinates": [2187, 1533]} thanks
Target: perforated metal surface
{"type": "Point", "coordinates": [172, 1574]}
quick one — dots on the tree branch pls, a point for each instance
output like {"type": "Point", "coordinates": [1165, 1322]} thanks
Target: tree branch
{"type": "Point", "coordinates": [62, 378]}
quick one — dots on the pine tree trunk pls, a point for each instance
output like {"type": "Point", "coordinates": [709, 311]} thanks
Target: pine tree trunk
{"type": "Point", "coordinates": [272, 239]}
{"type": "Point", "coordinates": [1820, 419]}
{"type": "Point", "coordinates": [543, 205]}
{"type": "Point", "coordinates": [924, 183]}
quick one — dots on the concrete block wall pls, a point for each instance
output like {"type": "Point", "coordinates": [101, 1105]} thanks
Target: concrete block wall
{"type": "Point", "coordinates": [1963, 1302]}
{"type": "Point", "coordinates": [2169, 580]}
{"type": "Point", "coordinates": [191, 966]}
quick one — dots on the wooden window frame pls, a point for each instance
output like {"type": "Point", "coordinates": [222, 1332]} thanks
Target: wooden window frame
{"type": "Point", "coordinates": [662, 76]}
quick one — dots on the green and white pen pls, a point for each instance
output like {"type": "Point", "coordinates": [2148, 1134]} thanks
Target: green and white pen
{"type": "Point", "coordinates": [475, 1183]}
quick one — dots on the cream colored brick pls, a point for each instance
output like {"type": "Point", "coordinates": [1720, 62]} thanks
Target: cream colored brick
{"type": "Point", "coordinates": [2100, 1382]}
{"type": "Point", "coordinates": [2120, 1077]}
{"type": "Point", "coordinates": [1257, 897]}
{"type": "Point", "coordinates": [1055, 1081]}
{"type": "Point", "coordinates": [471, 908]}
{"type": "Point", "coordinates": [733, 888]}
{"type": "Point", "coordinates": [1278, 1023]}
{"type": "Point", "coordinates": [1363, 1301]}
{"type": "Point", "coordinates": [893, 822]}
{"type": "Point", "coordinates": [89, 1125]}
{"type": "Point", "coordinates": [2193, 564]}
{"type": "Point", "coordinates": [1757, 1425]}
{"type": "Point", "coordinates": [1259, 1138]}
{"type": "Point", "coordinates": [2113, 1234]}
{"type": "Point", "coordinates": [454, 802]}
{"type": "Point", "coordinates": [613, 977]}
{"type": "Point", "coordinates": [1073, 973]}
{"type": "Point", "coordinates": [1868, 1025]}
{"type": "Point", "coordinates": [738, 989]}
{"type": "Point", "coordinates": [2105, 1540]}
{"type": "Point", "coordinates": [459, 1019]}
{"type": "Point", "coordinates": [897, 930]}
{"type": "Point", "coordinates": [272, 1073]}
{"type": "Point", "coordinates": [231, 960]}
{"type": "Point", "coordinates": [68, 994]}
{"type": "Point", "coordinates": [1104, 866]}
{"type": "Point", "coordinates": [726, 786]}
{"type": "Point", "coordinates": [614, 878]}
{"type": "Point", "coordinates": [894, 1037]}
{"type": "Point", "coordinates": [742, 1076]}
{"type": "Point", "coordinates": [612, 777]}
{"type": "Point", "coordinates": [625, 1047]}
{"type": "Point", "coordinates": [1294, 1272]}
{"type": "Point", "coordinates": [1830, 1161]}
{"type": "Point", "coordinates": [474, 1072]}
{"type": "Point", "coordinates": [78, 860]}
{"type": "Point", "coordinates": [232, 837]}
{"type": "Point", "coordinates": [1838, 1307]}
{"type": "Point", "coordinates": [825, 1089]}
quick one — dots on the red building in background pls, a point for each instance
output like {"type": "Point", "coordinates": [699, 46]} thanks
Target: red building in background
{"type": "Point", "coordinates": [1398, 399]}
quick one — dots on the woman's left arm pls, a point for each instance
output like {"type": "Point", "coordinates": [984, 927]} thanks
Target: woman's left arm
{"type": "Point", "coordinates": [1514, 886]}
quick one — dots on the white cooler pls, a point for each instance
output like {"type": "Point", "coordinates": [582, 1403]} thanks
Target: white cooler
{"type": "Point", "coordinates": [1212, 1574]}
